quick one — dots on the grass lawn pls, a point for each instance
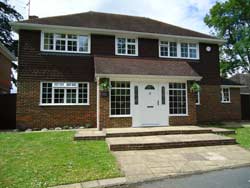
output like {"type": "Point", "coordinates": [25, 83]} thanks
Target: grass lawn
{"type": "Point", "coordinates": [242, 136]}
{"type": "Point", "coordinates": [52, 158]}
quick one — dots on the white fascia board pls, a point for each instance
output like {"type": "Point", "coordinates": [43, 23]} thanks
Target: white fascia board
{"type": "Point", "coordinates": [232, 86]}
{"type": "Point", "coordinates": [148, 77]}
{"type": "Point", "coordinates": [29, 26]}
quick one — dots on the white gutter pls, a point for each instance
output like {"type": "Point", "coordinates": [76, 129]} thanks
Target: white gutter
{"type": "Point", "coordinates": [148, 77]}
{"type": "Point", "coordinates": [29, 26]}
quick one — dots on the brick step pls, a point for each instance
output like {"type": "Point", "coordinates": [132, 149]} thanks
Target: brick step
{"type": "Point", "coordinates": [132, 132]}
{"type": "Point", "coordinates": [167, 141]}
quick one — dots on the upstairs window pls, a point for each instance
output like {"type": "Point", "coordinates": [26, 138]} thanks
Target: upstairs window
{"type": "Point", "coordinates": [225, 95]}
{"type": "Point", "coordinates": [168, 49]}
{"type": "Point", "coordinates": [178, 50]}
{"type": "Point", "coordinates": [58, 42]}
{"type": "Point", "coordinates": [126, 46]}
{"type": "Point", "coordinates": [189, 50]}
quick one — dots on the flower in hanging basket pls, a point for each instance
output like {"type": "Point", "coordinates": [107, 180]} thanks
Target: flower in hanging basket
{"type": "Point", "coordinates": [104, 84]}
{"type": "Point", "coordinates": [195, 87]}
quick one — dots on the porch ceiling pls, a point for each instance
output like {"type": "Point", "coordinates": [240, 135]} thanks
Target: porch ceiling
{"type": "Point", "coordinates": [143, 67]}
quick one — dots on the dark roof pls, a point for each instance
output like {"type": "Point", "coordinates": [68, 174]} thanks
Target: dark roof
{"type": "Point", "coordinates": [135, 66]}
{"type": "Point", "coordinates": [243, 79]}
{"type": "Point", "coordinates": [230, 82]}
{"type": "Point", "coordinates": [109, 21]}
{"type": "Point", "coordinates": [6, 53]}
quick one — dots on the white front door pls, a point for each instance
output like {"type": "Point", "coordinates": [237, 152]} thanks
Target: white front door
{"type": "Point", "coordinates": [150, 104]}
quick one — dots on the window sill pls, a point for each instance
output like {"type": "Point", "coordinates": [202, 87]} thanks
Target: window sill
{"type": "Point", "coordinates": [178, 115]}
{"type": "Point", "coordinates": [64, 104]}
{"type": "Point", "coordinates": [224, 102]}
{"type": "Point", "coordinates": [119, 116]}
{"type": "Point", "coordinates": [187, 58]}
{"type": "Point", "coordinates": [132, 55]}
{"type": "Point", "coordinates": [68, 52]}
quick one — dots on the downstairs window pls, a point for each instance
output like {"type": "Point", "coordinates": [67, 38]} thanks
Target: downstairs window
{"type": "Point", "coordinates": [177, 99]}
{"type": "Point", "coordinates": [120, 98]}
{"type": "Point", "coordinates": [64, 93]}
{"type": "Point", "coordinates": [225, 95]}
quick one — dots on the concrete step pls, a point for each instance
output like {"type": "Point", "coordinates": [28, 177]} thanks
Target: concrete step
{"type": "Point", "coordinates": [167, 141]}
{"type": "Point", "coordinates": [151, 131]}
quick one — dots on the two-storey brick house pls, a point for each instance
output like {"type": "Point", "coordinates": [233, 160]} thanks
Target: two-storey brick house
{"type": "Point", "coordinates": [149, 65]}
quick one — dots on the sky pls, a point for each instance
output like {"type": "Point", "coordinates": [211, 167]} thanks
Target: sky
{"type": "Point", "coordinates": [184, 13]}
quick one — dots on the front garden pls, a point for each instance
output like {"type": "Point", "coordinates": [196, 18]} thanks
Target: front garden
{"type": "Point", "coordinates": [42, 159]}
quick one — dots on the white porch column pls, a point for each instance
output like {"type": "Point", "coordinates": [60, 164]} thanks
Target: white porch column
{"type": "Point", "coordinates": [97, 104]}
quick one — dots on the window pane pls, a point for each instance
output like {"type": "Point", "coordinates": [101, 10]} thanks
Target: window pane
{"type": "Point", "coordinates": [136, 95]}
{"type": "Point", "coordinates": [192, 50]}
{"type": "Point", "coordinates": [163, 95]}
{"type": "Point", "coordinates": [83, 43]}
{"type": "Point", "coordinates": [120, 98]}
{"type": "Point", "coordinates": [72, 45]}
{"type": "Point", "coordinates": [48, 41]}
{"type": "Point", "coordinates": [173, 49]}
{"type": "Point", "coordinates": [164, 48]}
{"type": "Point", "coordinates": [121, 45]}
{"type": "Point", "coordinates": [83, 93]}
{"type": "Point", "coordinates": [197, 97]}
{"type": "Point", "coordinates": [184, 50]}
{"type": "Point", "coordinates": [71, 96]}
{"type": "Point", "coordinates": [58, 96]}
{"type": "Point", "coordinates": [46, 93]}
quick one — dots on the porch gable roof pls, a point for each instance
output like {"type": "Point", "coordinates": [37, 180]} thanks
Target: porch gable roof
{"type": "Point", "coordinates": [143, 67]}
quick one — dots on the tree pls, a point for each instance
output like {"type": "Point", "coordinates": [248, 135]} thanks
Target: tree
{"type": "Point", "coordinates": [8, 14]}
{"type": "Point", "coordinates": [230, 20]}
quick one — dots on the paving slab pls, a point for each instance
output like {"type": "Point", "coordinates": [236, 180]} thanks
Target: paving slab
{"type": "Point", "coordinates": [179, 161]}
{"type": "Point", "coordinates": [89, 134]}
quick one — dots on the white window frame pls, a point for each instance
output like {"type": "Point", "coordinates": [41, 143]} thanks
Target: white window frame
{"type": "Point", "coordinates": [65, 96]}
{"type": "Point", "coordinates": [66, 43]}
{"type": "Point", "coordinates": [178, 49]}
{"type": "Point", "coordinates": [223, 95]}
{"type": "Point", "coordinates": [199, 98]}
{"type": "Point", "coordinates": [123, 115]}
{"type": "Point", "coordinates": [126, 46]}
{"type": "Point", "coordinates": [186, 100]}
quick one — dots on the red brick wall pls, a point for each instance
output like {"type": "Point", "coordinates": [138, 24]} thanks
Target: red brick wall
{"type": "Point", "coordinates": [111, 122]}
{"type": "Point", "coordinates": [211, 108]}
{"type": "Point", "coordinates": [186, 120]}
{"type": "Point", "coordinates": [5, 74]}
{"type": "Point", "coordinates": [31, 115]}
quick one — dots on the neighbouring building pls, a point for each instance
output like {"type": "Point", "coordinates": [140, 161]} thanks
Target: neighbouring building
{"type": "Point", "coordinates": [6, 58]}
{"type": "Point", "coordinates": [244, 79]}
{"type": "Point", "coordinates": [149, 67]}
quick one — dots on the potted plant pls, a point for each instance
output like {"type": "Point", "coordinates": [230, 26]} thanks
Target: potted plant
{"type": "Point", "coordinates": [194, 87]}
{"type": "Point", "coordinates": [104, 87]}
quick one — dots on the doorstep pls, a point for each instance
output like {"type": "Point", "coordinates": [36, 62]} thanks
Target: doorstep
{"type": "Point", "coordinates": [94, 134]}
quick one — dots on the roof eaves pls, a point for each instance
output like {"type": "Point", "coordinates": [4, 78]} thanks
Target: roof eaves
{"type": "Point", "coordinates": [31, 26]}
{"type": "Point", "coordinates": [7, 53]}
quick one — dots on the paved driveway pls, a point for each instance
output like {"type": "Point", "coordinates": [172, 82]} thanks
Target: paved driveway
{"type": "Point", "coordinates": [154, 164]}
{"type": "Point", "coordinates": [230, 178]}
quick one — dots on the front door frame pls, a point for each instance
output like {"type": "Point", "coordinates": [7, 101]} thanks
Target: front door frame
{"type": "Point", "coordinates": [138, 110]}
